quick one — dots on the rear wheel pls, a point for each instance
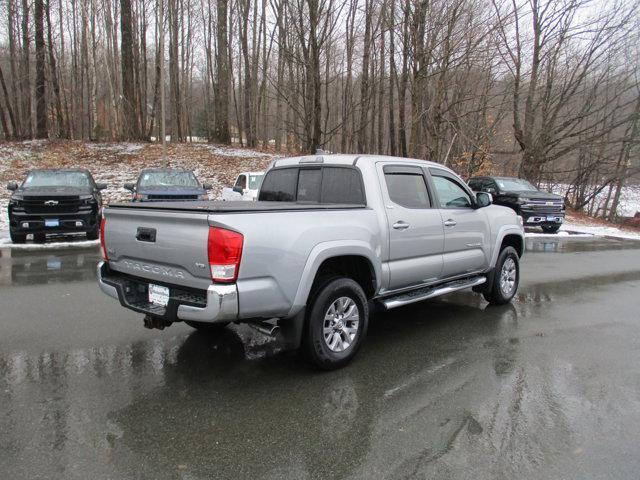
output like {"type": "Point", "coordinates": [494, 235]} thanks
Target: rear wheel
{"type": "Point", "coordinates": [206, 326]}
{"type": "Point", "coordinates": [505, 279]}
{"type": "Point", "coordinates": [551, 229]}
{"type": "Point", "coordinates": [17, 237]}
{"type": "Point", "coordinates": [336, 323]}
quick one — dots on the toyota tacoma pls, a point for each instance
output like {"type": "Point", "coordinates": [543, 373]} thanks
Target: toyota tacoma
{"type": "Point", "coordinates": [329, 237]}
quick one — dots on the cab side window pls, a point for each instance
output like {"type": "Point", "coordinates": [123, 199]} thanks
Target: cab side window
{"type": "Point", "coordinates": [241, 181]}
{"type": "Point", "coordinates": [450, 193]}
{"type": "Point", "coordinates": [407, 186]}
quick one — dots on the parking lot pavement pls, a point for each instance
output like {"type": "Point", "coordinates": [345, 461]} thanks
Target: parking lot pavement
{"type": "Point", "coordinates": [546, 387]}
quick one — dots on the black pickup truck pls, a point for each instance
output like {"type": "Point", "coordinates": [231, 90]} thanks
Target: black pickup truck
{"type": "Point", "coordinates": [55, 201]}
{"type": "Point", "coordinates": [537, 208]}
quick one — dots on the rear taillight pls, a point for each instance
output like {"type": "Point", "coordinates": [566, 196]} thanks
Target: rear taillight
{"type": "Point", "coordinates": [225, 251]}
{"type": "Point", "coordinates": [103, 246]}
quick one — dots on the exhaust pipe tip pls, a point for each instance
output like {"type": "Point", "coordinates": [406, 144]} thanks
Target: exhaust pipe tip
{"type": "Point", "coordinates": [266, 328]}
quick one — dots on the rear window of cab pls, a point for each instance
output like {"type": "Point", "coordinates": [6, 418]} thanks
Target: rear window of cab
{"type": "Point", "coordinates": [315, 185]}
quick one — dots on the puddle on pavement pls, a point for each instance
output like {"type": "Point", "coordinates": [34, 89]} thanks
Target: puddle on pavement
{"type": "Point", "coordinates": [35, 267]}
{"type": "Point", "coordinates": [577, 244]}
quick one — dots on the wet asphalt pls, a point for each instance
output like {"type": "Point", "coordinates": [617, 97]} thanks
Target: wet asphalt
{"type": "Point", "coordinates": [547, 387]}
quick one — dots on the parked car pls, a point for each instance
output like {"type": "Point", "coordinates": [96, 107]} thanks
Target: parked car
{"type": "Point", "coordinates": [167, 184]}
{"type": "Point", "coordinates": [245, 187]}
{"type": "Point", "coordinates": [328, 236]}
{"type": "Point", "coordinates": [537, 208]}
{"type": "Point", "coordinates": [55, 201]}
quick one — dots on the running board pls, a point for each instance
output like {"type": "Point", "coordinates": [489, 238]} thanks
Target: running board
{"type": "Point", "coordinates": [420, 294]}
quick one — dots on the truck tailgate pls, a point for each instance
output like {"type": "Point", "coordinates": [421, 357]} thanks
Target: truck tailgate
{"type": "Point", "coordinates": [164, 246]}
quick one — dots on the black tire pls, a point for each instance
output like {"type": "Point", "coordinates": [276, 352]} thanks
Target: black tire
{"type": "Point", "coordinates": [94, 234]}
{"type": "Point", "coordinates": [496, 295]}
{"type": "Point", "coordinates": [17, 237]}
{"type": "Point", "coordinates": [551, 229]}
{"type": "Point", "coordinates": [39, 238]}
{"type": "Point", "coordinates": [207, 327]}
{"type": "Point", "coordinates": [314, 346]}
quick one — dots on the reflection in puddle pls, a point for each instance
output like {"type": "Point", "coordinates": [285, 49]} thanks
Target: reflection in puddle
{"type": "Point", "coordinates": [571, 245]}
{"type": "Point", "coordinates": [25, 267]}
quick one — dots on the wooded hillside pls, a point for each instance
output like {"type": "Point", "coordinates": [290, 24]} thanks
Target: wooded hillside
{"type": "Point", "coordinates": [548, 90]}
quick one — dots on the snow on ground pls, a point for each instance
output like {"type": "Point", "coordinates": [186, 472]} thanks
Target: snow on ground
{"type": "Point", "coordinates": [119, 148]}
{"type": "Point", "coordinates": [55, 244]}
{"type": "Point", "coordinates": [232, 152]}
{"type": "Point", "coordinates": [576, 228]}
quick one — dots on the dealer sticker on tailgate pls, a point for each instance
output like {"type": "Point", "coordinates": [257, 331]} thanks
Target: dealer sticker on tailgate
{"type": "Point", "coordinates": [158, 295]}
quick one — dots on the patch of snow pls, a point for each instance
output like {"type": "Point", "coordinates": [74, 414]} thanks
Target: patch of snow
{"type": "Point", "coordinates": [52, 245]}
{"type": "Point", "coordinates": [561, 233]}
{"type": "Point", "coordinates": [117, 148]}
{"type": "Point", "coordinates": [601, 231]}
{"type": "Point", "coordinates": [234, 152]}
{"type": "Point", "coordinates": [4, 218]}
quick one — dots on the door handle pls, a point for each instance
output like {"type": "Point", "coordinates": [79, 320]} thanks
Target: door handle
{"type": "Point", "coordinates": [401, 225]}
{"type": "Point", "coordinates": [146, 234]}
{"type": "Point", "coordinates": [450, 223]}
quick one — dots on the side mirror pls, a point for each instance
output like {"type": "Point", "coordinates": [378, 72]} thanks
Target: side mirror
{"type": "Point", "coordinates": [130, 186]}
{"type": "Point", "coordinates": [483, 199]}
{"type": "Point", "coordinates": [207, 186]}
{"type": "Point", "coordinates": [13, 186]}
{"type": "Point", "coordinates": [101, 186]}
{"type": "Point", "coordinates": [238, 189]}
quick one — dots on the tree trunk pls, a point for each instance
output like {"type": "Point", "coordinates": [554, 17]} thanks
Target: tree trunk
{"type": "Point", "coordinates": [41, 91]}
{"type": "Point", "coordinates": [221, 132]}
{"type": "Point", "coordinates": [130, 130]}
{"type": "Point", "coordinates": [62, 128]}
{"type": "Point", "coordinates": [27, 131]}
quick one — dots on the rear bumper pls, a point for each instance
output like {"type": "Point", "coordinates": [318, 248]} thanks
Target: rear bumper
{"type": "Point", "coordinates": [68, 222]}
{"type": "Point", "coordinates": [217, 304]}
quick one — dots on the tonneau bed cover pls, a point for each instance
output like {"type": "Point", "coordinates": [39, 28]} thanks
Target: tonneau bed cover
{"type": "Point", "coordinates": [234, 206]}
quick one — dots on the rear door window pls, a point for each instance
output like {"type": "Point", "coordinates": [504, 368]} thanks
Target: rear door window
{"type": "Point", "coordinates": [407, 187]}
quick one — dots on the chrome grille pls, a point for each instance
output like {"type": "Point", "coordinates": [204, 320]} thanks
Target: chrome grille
{"type": "Point", "coordinates": [545, 206]}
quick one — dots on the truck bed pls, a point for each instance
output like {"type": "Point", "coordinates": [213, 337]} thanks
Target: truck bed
{"type": "Point", "coordinates": [234, 206]}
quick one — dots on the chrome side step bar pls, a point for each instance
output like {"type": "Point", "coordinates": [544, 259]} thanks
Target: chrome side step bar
{"type": "Point", "coordinates": [420, 294]}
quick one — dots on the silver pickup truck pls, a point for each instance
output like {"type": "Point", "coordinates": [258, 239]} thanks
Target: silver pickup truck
{"type": "Point", "coordinates": [330, 237]}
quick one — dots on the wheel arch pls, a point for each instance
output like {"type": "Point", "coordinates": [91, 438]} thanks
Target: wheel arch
{"type": "Point", "coordinates": [511, 236]}
{"type": "Point", "coordinates": [352, 260]}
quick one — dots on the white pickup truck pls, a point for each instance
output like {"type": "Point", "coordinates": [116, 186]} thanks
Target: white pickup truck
{"type": "Point", "coordinates": [329, 236]}
{"type": "Point", "coordinates": [245, 187]}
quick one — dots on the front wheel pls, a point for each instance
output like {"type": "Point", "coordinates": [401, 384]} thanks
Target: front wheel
{"type": "Point", "coordinates": [506, 278]}
{"type": "Point", "coordinates": [551, 229]}
{"type": "Point", "coordinates": [336, 324]}
{"type": "Point", "coordinates": [17, 237]}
